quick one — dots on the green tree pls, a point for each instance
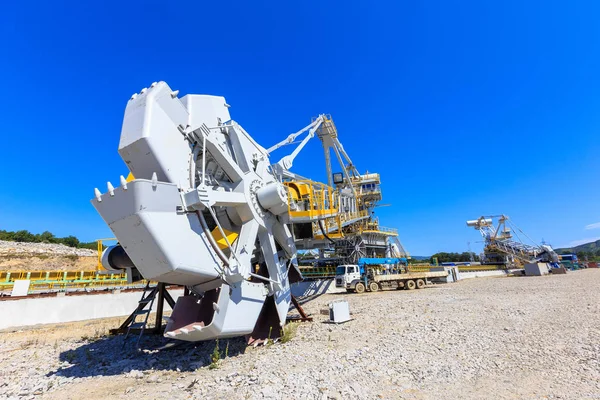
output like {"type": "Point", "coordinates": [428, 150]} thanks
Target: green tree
{"type": "Point", "coordinates": [23, 236]}
{"type": "Point", "coordinates": [47, 237]}
{"type": "Point", "coordinates": [6, 235]}
{"type": "Point", "coordinates": [90, 245]}
{"type": "Point", "coordinates": [70, 241]}
{"type": "Point", "coordinates": [583, 255]}
{"type": "Point", "coordinates": [454, 257]}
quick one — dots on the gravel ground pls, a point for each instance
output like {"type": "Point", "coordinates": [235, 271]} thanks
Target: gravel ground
{"type": "Point", "coordinates": [492, 338]}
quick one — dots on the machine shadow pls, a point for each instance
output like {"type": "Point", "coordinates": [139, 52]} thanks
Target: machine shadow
{"type": "Point", "coordinates": [306, 291]}
{"type": "Point", "coordinates": [107, 356]}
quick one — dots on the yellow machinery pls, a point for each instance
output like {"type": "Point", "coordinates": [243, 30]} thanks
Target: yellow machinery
{"type": "Point", "coordinates": [339, 214]}
{"type": "Point", "coordinates": [308, 201]}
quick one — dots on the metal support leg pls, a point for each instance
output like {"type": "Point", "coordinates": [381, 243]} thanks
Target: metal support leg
{"type": "Point", "coordinates": [160, 307]}
{"type": "Point", "coordinates": [304, 317]}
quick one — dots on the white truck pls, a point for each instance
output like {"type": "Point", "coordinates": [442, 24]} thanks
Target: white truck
{"type": "Point", "coordinates": [355, 279]}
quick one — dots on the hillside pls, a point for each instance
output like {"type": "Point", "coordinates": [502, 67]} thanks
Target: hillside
{"type": "Point", "coordinates": [17, 256]}
{"type": "Point", "coordinates": [592, 247]}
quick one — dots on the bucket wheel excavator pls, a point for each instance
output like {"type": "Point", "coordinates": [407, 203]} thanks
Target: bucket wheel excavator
{"type": "Point", "coordinates": [501, 247]}
{"type": "Point", "coordinates": [205, 210]}
{"type": "Point", "coordinates": [343, 209]}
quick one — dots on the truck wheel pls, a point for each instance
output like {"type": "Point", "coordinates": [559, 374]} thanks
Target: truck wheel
{"type": "Point", "coordinates": [410, 285]}
{"type": "Point", "coordinates": [420, 283]}
{"type": "Point", "coordinates": [360, 287]}
{"type": "Point", "coordinates": [373, 286]}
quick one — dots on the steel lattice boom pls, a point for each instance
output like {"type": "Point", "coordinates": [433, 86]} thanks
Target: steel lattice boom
{"type": "Point", "coordinates": [500, 238]}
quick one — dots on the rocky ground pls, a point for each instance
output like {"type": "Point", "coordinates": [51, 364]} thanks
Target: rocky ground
{"type": "Point", "coordinates": [15, 256]}
{"type": "Point", "coordinates": [492, 338]}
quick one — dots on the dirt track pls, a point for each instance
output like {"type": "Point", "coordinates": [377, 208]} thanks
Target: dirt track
{"type": "Point", "coordinates": [496, 338]}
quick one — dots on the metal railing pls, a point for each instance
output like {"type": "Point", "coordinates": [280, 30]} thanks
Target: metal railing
{"type": "Point", "coordinates": [317, 272]}
{"type": "Point", "coordinates": [378, 228]}
{"type": "Point", "coordinates": [62, 280]}
{"type": "Point", "coordinates": [461, 268]}
{"type": "Point", "coordinates": [364, 191]}
{"type": "Point", "coordinates": [312, 200]}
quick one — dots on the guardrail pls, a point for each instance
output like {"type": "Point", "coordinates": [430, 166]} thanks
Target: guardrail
{"type": "Point", "coordinates": [62, 280]}
{"type": "Point", "coordinates": [461, 268]}
{"type": "Point", "coordinates": [311, 200]}
{"type": "Point", "coordinates": [317, 272]}
{"type": "Point", "coordinates": [392, 231]}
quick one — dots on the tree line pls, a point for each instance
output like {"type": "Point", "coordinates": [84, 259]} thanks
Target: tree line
{"type": "Point", "coordinates": [454, 257]}
{"type": "Point", "coordinates": [590, 255]}
{"type": "Point", "coordinates": [45, 237]}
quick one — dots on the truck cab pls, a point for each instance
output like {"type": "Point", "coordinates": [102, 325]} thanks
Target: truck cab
{"type": "Point", "coordinates": [345, 274]}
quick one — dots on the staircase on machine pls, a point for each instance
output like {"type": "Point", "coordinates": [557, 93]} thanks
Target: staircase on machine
{"type": "Point", "coordinates": [137, 322]}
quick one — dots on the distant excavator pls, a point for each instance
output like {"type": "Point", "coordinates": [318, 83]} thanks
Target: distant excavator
{"type": "Point", "coordinates": [501, 248]}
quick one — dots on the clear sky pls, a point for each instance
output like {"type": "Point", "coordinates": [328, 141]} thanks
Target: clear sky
{"type": "Point", "coordinates": [464, 109]}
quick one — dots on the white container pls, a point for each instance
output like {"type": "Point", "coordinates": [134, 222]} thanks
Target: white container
{"type": "Point", "coordinates": [339, 311]}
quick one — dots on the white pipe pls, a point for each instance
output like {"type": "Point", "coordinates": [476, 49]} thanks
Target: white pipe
{"type": "Point", "coordinates": [293, 136]}
{"type": "Point", "coordinates": [192, 176]}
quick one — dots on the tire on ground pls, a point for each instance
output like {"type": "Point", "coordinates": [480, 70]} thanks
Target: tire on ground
{"type": "Point", "coordinates": [373, 286]}
{"type": "Point", "coordinates": [360, 287]}
{"type": "Point", "coordinates": [420, 283]}
{"type": "Point", "coordinates": [410, 285]}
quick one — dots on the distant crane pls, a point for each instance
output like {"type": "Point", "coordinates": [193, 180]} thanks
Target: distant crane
{"type": "Point", "coordinates": [499, 239]}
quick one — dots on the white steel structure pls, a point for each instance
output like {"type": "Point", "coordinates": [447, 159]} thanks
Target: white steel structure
{"type": "Point", "coordinates": [500, 238]}
{"type": "Point", "coordinates": [205, 210]}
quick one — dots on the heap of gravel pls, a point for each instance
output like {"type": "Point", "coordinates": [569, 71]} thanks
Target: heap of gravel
{"type": "Point", "coordinates": [500, 338]}
{"type": "Point", "coordinates": [42, 248]}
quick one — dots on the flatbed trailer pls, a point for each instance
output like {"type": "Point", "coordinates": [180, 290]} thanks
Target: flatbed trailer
{"type": "Point", "coordinates": [408, 281]}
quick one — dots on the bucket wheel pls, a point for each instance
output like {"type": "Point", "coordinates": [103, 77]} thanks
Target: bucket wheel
{"type": "Point", "coordinates": [352, 249]}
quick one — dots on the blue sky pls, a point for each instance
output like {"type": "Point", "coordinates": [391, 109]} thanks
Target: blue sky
{"type": "Point", "coordinates": [464, 109]}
